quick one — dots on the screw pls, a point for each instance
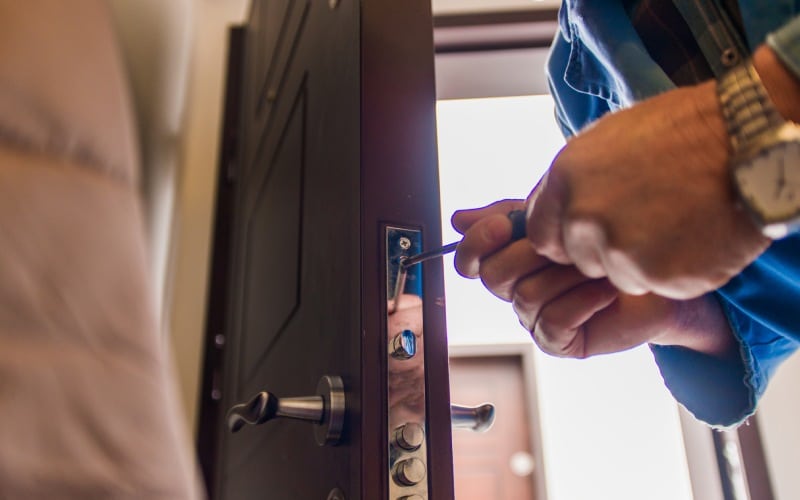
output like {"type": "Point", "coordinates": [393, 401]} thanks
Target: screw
{"type": "Point", "coordinates": [404, 243]}
{"type": "Point", "coordinates": [729, 57]}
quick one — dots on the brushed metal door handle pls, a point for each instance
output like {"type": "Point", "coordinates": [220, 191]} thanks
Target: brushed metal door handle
{"type": "Point", "coordinates": [325, 410]}
{"type": "Point", "coordinates": [475, 418]}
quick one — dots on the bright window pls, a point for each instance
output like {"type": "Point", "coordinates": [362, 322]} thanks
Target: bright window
{"type": "Point", "coordinates": [610, 430]}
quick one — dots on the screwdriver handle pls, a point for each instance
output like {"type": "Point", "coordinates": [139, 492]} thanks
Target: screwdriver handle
{"type": "Point", "coordinates": [517, 218]}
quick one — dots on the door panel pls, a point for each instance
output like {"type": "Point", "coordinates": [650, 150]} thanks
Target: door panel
{"type": "Point", "coordinates": [274, 226]}
{"type": "Point", "coordinates": [335, 139]}
{"type": "Point", "coordinates": [287, 33]}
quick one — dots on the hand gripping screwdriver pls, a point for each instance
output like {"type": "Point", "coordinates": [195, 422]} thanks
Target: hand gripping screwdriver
{"type": "Point", "coordinates": [517, 218]}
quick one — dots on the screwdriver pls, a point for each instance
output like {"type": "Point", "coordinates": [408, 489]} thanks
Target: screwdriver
{"type": "Point", "coordinates": [517, 218]}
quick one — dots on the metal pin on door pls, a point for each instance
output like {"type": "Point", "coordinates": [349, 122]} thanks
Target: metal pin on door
{"type": "Point", "coordinates": [406, 412]}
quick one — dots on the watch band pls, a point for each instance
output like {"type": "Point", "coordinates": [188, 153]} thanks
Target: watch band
{"type": "Point", "coordinates": [746, 106]}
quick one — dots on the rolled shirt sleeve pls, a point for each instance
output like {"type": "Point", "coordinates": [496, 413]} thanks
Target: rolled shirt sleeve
{"type": "Point", "coordinates": [761, 305]}
{"type": "Point", "coordinates": [786, 44]}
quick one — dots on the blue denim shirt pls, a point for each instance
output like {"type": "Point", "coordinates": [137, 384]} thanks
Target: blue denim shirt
{"type": "Point", "coordinates": [599, 64]}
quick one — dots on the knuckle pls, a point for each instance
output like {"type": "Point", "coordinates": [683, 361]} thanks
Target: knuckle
{"type": "Point", "coordinates": [499, 275]}
{"type": "Point", "coordinates": [552, 327]}
{"type": "Point", "coordinates": [558, 340]}
{"type": "Point", "coordinates": [553, 321]}
{"type": "Point", "coordinates": [463, 267]}
{"type": "Point", "coordinates": [546, 246]}
{"type": "Point", "coordinates": [466, 260]}
{"type": "Point", "coordinates": [525, 297]}
{"type": "Point", "coordinates": [499, 288]}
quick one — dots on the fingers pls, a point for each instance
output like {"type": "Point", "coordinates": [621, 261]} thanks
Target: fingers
{"type": "Point", "coordinates": [487, 249]}
{"type": "Point", "coordinates": [593, 318]}
{"type": "Point", "coordinates": [545, 209]}
{"type": "Point", "coordinates": [462, 220]}
{"type": "Point", "coordinates": [484, 237]}
{"type": "Point", "coordinates": [501, 271]}
{"type": "Point", "coordinates": [586, 244]}
{"type": "Point", "coordinates": [581, 241]}
{"type": "Point", "coordinates": [563, 325]}
{"type": "Point", "coordinates": [533, 293]}
{"type": "Point", "coordinates": [629, 322]}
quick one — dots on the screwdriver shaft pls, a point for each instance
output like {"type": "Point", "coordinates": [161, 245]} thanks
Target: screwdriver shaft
{"type": "Point", "coordinates": [430, 254]}
{"type": "Point", "coordinates": [517, 218]}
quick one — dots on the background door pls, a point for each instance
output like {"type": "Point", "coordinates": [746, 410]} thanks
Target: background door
{"type": "Point", "coordinates": [329, 137]}
{"type": "Point", "coordinates": [498, 464]}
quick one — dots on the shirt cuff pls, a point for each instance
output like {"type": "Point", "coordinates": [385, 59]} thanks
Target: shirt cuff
{"type": "Point", "coordinates": [786, 44]}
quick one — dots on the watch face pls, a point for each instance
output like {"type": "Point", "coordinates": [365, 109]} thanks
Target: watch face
{"type": "Point", "coordinates": [770, 182]}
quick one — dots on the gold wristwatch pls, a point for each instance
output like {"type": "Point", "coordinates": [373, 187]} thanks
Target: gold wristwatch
{"type": "Point", "coordinates": [765, 164]}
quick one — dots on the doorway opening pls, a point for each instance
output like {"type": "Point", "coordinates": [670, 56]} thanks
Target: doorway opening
{"type": "Point", "coordinates": [607, 420]}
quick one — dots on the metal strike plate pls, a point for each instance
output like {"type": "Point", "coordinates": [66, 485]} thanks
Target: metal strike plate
{"type": "Point", "coordinates": [408, 453]}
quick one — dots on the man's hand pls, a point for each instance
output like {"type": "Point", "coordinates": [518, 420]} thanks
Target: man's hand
{"type": "Point", "coordinates": [569, 314]}
{"type": "Point", "coordinates": [644, 198]}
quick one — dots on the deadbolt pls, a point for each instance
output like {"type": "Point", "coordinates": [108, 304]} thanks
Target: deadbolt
{"type": "Point", "coordinates": [409, 472]}
{"type": "Point", "coordinates": [409, 437]}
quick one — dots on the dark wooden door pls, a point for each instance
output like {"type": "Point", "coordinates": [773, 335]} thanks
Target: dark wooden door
{"type": "Point", "coordinates": [330, 138]}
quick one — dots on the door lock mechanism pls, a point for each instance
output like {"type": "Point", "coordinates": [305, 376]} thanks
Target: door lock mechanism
{"type": "Point", "coordinates": [325, 410]}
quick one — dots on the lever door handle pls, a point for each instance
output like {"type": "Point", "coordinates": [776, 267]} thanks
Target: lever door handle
{"type": "Point", "coordinates": [325, 410]}
{"type": "Point", "coordinates": [477, 418]}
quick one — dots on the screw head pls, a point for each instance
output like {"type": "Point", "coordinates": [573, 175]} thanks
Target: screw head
{"type": "Point", "coordinates": [404, 243]}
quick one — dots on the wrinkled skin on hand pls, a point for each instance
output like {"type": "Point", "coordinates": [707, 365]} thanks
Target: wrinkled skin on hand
{"type": "Point", "coordinates": [568, 313]}
{"type": "Point", "coordinates": [644, 198]}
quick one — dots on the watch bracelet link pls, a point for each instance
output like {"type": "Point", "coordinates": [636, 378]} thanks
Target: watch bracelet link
{"type": "Point", "coordinates": [746, 106]}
